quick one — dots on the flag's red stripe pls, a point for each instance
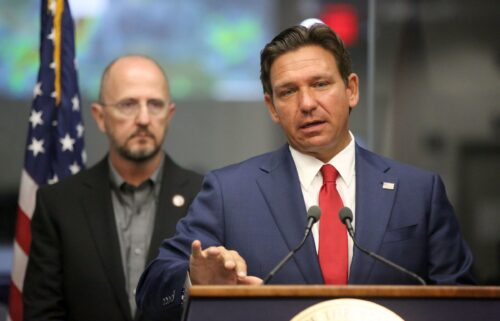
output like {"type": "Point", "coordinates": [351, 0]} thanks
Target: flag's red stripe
{"type": "Point", "coordinates": [15, 303]}
{"type": "Point", "coordinates": [23, 230]}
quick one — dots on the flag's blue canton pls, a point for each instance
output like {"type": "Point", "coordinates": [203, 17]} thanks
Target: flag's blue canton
{"type": "Point", "coordinates": [55, 146]}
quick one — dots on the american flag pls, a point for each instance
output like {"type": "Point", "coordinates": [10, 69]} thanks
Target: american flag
{"type": "Point", "coordinates": [54, 147]}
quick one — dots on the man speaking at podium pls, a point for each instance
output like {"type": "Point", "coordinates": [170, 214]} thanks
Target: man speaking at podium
{"type": "Point", "coordinates": [248, 216]}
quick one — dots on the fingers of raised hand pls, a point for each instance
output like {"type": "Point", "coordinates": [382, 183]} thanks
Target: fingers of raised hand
{"type": "Point", "coordinates": [233, 261]}
{"type": "Point", "coordinates": [196, 251]}
{"type": "Point", "coordinates": [210, 253]}
{"type": "Point", "coordinates": [230, 260]}
{"type": "Point", "coordinates": [249, 280]}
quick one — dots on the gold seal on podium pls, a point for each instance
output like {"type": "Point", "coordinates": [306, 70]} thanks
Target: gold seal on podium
{"type": "Point", "coordinates": [347, 310]}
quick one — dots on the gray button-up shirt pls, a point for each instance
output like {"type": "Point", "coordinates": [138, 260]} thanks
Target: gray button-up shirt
{"type": "Point", "coordinates": [135, 210]}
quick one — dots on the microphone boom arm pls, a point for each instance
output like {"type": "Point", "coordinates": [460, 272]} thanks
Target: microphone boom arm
{"type": "Point", "coordinates": [286, 258]}
{"type": "Point", "coordinates": [313, 215]}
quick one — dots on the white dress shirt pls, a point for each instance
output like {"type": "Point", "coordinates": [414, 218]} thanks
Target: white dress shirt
{"type": "Point", "coordinates": [311, 180]}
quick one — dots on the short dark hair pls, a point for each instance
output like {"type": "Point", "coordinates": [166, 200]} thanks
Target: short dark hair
{"type": "Point", "coordinates": [297, 37]}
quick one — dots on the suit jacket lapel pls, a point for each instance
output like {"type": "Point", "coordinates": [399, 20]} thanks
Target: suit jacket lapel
{"type": "Point", "coordinates": [100, 216]}
{"type": "Point", "coordinates": [167, 215]}
{"type": "Point", "coordinates": [281, 189]}
{"type": "Point", "coordinates": [373, 210]}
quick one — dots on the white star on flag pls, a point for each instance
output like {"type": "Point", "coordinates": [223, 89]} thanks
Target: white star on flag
{"type": "Point", "coordinates": [36, 118]}
{"type": "Point", "coordinates": [51, 35]}
{"type": "Point", "coordinates": [79, 130]}
{"type": "Point", "coordinates": [36, 146]}
{"type": "Point", "coordinates": [53, 66]}
{"type": "Point", "coordinates": [74, 168]}
{"type": "Point", "coordinates": [67, 143]}
{"type": "Point", "coordinates": [53, 180]}
{"type": "Point", "coordinates": [52, 7]}
{"type": "Point", "coordinates": [37, 90]}
{"type": "Point", "coordinates": [76, 103]}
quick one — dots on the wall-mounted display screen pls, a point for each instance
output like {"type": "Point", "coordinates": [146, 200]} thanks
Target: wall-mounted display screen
{"type": "Point", "coordinates": [210, 49]}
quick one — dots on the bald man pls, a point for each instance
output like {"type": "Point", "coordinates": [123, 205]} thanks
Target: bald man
{"type": "Point", "coordinates": [93, 233]}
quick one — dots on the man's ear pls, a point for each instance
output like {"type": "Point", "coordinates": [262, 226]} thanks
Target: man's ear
{"type": "Point", "coordinates": [171, 112]}
{"type": "Point", "coordinates": [98, 114]}
{"type": "Point", "coordinates": [268, 100]}
{"type": "Point", "coordinates": [353, 90]}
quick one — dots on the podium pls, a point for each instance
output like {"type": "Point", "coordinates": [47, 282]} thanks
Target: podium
{"type": "Point", "coordinates": [283, 302]}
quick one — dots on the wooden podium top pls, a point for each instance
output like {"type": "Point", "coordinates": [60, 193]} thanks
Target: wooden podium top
{"type": "Point", "coordinates": [349, 290]}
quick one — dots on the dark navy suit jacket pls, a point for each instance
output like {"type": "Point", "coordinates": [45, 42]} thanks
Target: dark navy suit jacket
{"type": "Point", "coordinates": [257, 208]}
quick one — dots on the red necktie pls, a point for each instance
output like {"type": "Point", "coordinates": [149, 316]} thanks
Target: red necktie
{"type": "Point", "coordinates": [332, 233]}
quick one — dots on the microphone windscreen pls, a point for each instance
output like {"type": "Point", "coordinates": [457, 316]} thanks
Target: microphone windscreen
{"type": "Point", "coordinates": [314, 212]}
{"type": "Point", "coordinates": [345, 213]}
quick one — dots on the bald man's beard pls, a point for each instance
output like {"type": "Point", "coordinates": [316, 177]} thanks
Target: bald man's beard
{"type": "Point", "coordinates": [138, 156]}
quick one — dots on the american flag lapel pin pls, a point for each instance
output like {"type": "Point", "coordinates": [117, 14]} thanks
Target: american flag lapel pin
{"type": "Point", "coordinates": [388, 185]}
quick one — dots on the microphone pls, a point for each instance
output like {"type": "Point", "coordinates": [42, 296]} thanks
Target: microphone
{"type": "Point", "coordinates": [313, 214]}
{"type": "Point", "coordinates": [345, 215]}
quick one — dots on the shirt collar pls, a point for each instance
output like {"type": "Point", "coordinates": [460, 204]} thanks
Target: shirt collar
{"type": "Point", "coordinates": [117, 180]}
{"type": "Point", "coordinates": [309, 166]}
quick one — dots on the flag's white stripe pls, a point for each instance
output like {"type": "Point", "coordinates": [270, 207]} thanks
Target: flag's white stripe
{"type": "Point", "coordinates": [8, 317]}
{"type": "Point", "coordinates": [19, 266]}
{"type": "Point", "coordinates": [27, 194]}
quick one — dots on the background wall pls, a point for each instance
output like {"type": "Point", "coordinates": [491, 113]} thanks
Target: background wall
{"type": "Point", "coordinates": [436, 98]}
